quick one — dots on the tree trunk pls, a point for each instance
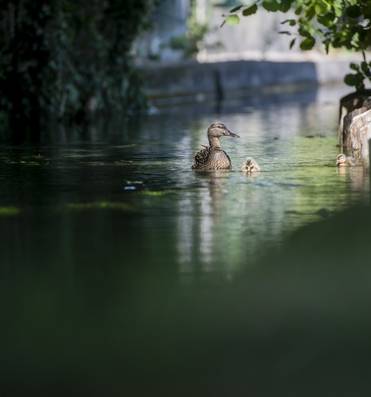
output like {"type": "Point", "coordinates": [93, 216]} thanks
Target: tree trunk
{"type": "Point", "coordinates": [356, 133]}
{"type": "Point", "coordinates": [350, 102]}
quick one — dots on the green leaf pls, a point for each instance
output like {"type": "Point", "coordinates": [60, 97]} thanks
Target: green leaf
{"type": "Point", "coordinates": [321, 7]}
{"type": "Point", "coordinates": [307, 43]}
{"type": "Point", "coordinates": [232, 20]}
{"type": "Point", "coordinates": [299, 10]}
{"type": "Point", "coordinates": [367, 10]}
{"type": "Point", "coordinates": [354, 66]}
{"type": "Point", "coordinates": [235, 9]}
{"type": "Point", "coordinates": [271, 5]}
{"type": "Point", "coordinates": [250, 10]}
{"type": "Point", "coordinates": [365, 68]}
{"type": "Point", "coordinates": [304, 32]}
{"type": "Point", "coordinates": [285, 5]}
{"type": "Point", "coordinates": [349, 79]}
{"type": "Point", "coordinates": [327, 47]}
{"type": "Point", "coordinates": [291, 22]}
{"type": "Point", "coordinates": [326, 20]}
{"type": "Point", "coordinates": [338, 8]}
{"type": "Point", "coordinates": [354, 80]}
{"type": "Point", "coordinates": [353, 11]}
{"type": "Point", "coordinates": [310, 13]}
{"type": "Point", "coordinates": [292, 43]}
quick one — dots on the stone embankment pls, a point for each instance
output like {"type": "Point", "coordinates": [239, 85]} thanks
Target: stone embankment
{"type": "Point", "coordinates": [191, 80]}
{"type": "Point", "coordinates": [357, 133]}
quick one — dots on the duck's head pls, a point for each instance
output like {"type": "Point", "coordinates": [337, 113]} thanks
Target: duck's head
{"type": "Point", "coordinates": [341, 160]}
{"type": "Point", "coordinates": [218, 129]}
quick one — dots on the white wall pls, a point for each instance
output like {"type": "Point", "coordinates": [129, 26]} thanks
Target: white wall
{"type": "Point", "coordinates": [256, 37]}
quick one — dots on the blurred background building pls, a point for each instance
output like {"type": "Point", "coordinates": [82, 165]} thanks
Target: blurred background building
{"type": "Point", "coordinates": [192, 28]}
{"type": "Point", "coordinates": [189, 54]}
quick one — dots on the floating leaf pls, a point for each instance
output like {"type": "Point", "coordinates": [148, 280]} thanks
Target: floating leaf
{"type": "Point", "coordinates": [98, 205]}
{"type": "Point", "coordinates": [292, 43]}
{"type": "Point", "coordinates": [250, 10]}
{"type": "Point", "coordinates": [155, 193]}
{"type": "Point", "coordinates": [9, 211]}
{"type": "Point", "coordinates": [285, 32]}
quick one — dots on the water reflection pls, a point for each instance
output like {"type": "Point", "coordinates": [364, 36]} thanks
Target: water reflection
{"type": "Point", "coordinates": [233, 218]}
{"type": "Point", "coordinates": [196, 235]}
{"type": "Point", "coordinates": [223, 221]}
{"type": "Point", "coordinates": [357, 177]}
{"type": "Point", "coordinates": [103, 286]}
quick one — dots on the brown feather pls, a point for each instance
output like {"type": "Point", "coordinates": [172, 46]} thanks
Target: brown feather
{"type": "Point", "coordinates": [211, 159]}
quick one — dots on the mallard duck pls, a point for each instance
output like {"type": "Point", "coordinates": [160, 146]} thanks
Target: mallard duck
{"type": "Point", "coordinates": [212, 157]}
{"type": "Point", "coordinates": [250, 166]}
{"type": "Point", "coordinates": [344, 161]}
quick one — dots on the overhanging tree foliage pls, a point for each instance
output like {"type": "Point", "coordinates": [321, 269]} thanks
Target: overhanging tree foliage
{"type": "Point", "coordinates": [61, 58]}
{"type": "Point", "coordinates": [334, 23]}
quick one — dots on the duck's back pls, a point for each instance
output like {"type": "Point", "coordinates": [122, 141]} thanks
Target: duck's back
{"type": "Point", "coordinates": [212, 159]}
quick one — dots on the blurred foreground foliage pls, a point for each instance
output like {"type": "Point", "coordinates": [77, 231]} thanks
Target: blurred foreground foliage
{"type": "Point", "coordinates": [64, 59]}
{"type": "Point", "coordinates": [336, 24]}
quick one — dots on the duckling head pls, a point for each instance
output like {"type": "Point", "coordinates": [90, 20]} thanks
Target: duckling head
{"type": "Point", "coordinates": [250, 166]}
{"type": "Point", "coordinates": [341, 160]}
{"type": "Point", "coordinates": [216, 130]}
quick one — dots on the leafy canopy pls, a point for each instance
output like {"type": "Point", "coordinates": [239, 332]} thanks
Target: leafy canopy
{"type": "Point", "coordinates": [334, 23]}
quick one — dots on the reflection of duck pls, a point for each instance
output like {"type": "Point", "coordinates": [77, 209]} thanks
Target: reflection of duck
{"type": "Point", "coordinates": [344, 161]}
{"type": "Point", "coordinates": [212, 157]}
{"type": "Point", "coordinates": [250, 166]}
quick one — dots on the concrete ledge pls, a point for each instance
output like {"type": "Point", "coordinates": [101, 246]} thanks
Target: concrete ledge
{"type": "Point", "coordinates": [216, 80]}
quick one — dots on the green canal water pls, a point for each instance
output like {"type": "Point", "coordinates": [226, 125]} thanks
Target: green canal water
{"type": "Point", "coordinates": [122, 271]}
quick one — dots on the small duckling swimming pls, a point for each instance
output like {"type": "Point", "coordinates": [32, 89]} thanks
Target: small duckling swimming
{"type": "Point", "coordinates": [212, 157]}
{"type": "Point", "coordinates": [250, 166]}
{"type": "Point", "coordinates": [344, 161]}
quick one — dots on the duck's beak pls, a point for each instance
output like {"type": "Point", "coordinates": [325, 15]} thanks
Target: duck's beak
{"type": "Point", "coordinates": [228, 132]}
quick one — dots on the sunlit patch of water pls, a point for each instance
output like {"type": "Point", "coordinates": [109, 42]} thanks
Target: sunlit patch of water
{"type": "Point", "coordinates": [208, 222]}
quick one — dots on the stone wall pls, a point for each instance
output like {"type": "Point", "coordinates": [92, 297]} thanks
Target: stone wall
{"type": "Point", "coordinates": [218, 80]}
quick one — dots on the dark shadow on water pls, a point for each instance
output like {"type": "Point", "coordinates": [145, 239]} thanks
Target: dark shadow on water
{"type": "Point", "coordinates": [295, 324]}
{"type": "Point", "coordinates": [122, 272]}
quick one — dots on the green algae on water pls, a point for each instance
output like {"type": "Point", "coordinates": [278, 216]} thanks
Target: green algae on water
{"type": "Point", "coordinates": [9, 211]}
{"type": "Point", "coordinates": [155, 193]}
{"type": "Point", "coordinates": [100, 205]}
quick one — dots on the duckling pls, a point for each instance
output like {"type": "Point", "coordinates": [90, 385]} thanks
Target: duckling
{"type": "Point", "coordinates": [250, 166]}
{"type": "Point", "coordinates": [344, 161]}
{"type": "Point", "coordinates": [212, 157]}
